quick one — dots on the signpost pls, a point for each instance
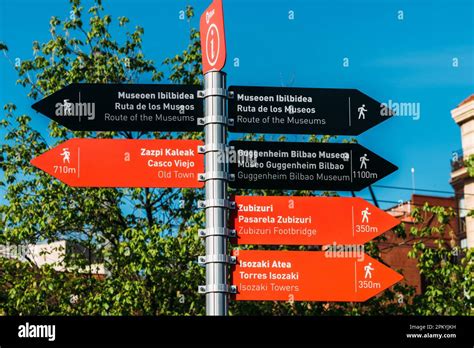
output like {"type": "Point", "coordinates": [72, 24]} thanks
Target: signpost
{"type": "Point", "coordinates": [216, 204]}
{"type": "Point", "coordinates": [304, 110]}
{"type": "Point", "coordinates": [331, 275]}
{"type": "Point", "coordinates": [124, 163]}
{"type": "Point", "coordinates": [124, 107]}
{"type": "Point", "coordinates": [290, 220]}
{"type": "Point", "coordinates": [305, 166]}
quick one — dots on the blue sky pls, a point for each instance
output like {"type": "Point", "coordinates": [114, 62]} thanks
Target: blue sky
{"type": "Point", "coordinates": [407, 60]}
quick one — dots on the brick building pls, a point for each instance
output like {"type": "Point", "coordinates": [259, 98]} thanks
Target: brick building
{"type": "Point", "coordinates": [394, 250]}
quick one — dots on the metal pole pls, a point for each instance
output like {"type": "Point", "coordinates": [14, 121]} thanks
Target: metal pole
{"type": "Point", "coordinates": [216, 189]}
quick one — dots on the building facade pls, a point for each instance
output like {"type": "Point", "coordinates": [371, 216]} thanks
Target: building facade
{"type": "Point", "coordinates": [462, 183]}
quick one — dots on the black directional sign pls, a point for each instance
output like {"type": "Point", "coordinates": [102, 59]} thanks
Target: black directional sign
{"type": "Point", "coordinates": [124, 107]}
{"type": "Point", "coordinates": [304, 110]}
{"type": "Point", "coordinates": [305, 166]}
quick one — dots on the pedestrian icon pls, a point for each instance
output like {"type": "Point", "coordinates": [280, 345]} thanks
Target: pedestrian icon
{"type": "Point", "coordinates": [363, 161]}
{"type": "Point", "coordinates": [368, 271]}
{"type": "Point", "coordinates": [362, 110]}
{"type": "Point", "coordinates": [365, 215]}
{"type": "Point", "coordinates": [66, 155]}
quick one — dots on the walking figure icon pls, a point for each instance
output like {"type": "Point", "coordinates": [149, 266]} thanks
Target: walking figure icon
{"type": "Point", "coordinates": [66, 155]}
{"type": "Point", "coordinates": [368, 271]}
{"type": "Point", "coordinates": [365, 215]}
{"type": "Point", "coordinates": [363, 161]}
{"type": "Point", "coordinates": [362, 110]}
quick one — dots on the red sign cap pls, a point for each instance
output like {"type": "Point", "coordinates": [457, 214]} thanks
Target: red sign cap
{"type": "Point", "coordinates": [213, 38]}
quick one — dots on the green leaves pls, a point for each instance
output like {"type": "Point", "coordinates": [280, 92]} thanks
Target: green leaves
{"type": "Point", "coordinates": [446, 269]}
{"type": "Point", "coordinates": [469, 164]}
{"type": "Point", "coordinates": [186, 67]}
{"type": "Point", "coordinates": [150, 258]}
{"type": "Point", "coordinates": [123, 20]}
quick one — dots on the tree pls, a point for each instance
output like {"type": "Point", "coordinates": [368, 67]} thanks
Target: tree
{"type": "Point", "coordinates": [142, 237]}
{"type": "Point", "coordinates": [447, 269]}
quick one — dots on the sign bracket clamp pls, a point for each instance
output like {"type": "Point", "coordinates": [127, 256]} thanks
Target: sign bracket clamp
{"type": "Point", "coordinates": [217, 258]}
{"type": "Point", "coordinates": [203, 121]}
{"type": "Point", "coordinates": [215, 92]}
{"type": "Point", "coordinates": [216, 203]}
{"type": "Point", "coordinates": [219, 288]}
{"type": "Point", "coordinates": [216, 176]}
{"type": "Point", "coordinates": [223, 148]}
{"type": "Point", "coordinates": [218, 231]}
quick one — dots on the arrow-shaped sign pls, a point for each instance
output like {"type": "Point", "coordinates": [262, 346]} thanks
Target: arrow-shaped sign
{"type": "Point", "coordinates": [305, 166]}
{"type": "Point", "coordinates": [304, 110]}
{"type": "Point", "coordinates": [307, 220]}
{"type": "Point", "coordinates": [124, 163]}
{"type": "Point", "coordinates": [332, 275]}
{"type": "Point", "coordinates": [124, 107]}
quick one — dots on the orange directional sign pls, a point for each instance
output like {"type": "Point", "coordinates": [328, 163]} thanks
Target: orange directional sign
{"type": "Point", "coordinates": [124, 163]}
{"type": "Point", "coordinates": [333, 275]}
{"type": "Point", "coordinates": [213, 38]}
{"type": "Point", "coordinates": [307, 220]}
